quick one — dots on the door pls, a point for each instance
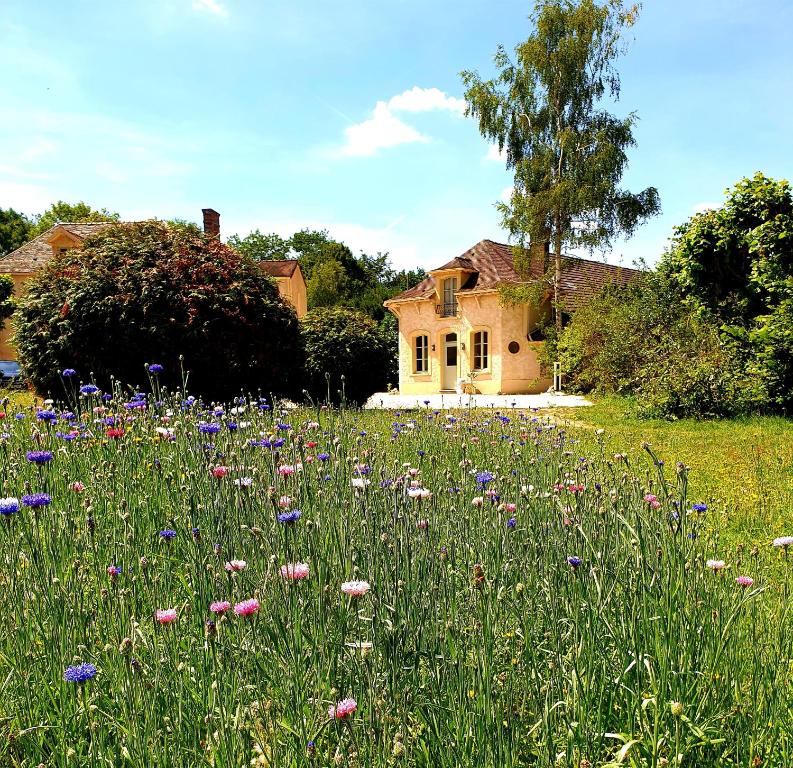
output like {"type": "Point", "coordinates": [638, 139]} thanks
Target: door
{"type": "Point", "coordinates": [449, 368]}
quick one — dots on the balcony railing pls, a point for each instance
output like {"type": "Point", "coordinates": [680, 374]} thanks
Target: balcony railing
{"type": "Point", "coordinates": [446, 309]}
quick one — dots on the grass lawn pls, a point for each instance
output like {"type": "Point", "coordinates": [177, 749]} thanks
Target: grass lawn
{"type": "Point", "coordinates": [743, 469]}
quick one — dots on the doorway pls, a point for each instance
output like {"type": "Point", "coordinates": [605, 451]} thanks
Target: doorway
{"type": "Point", "coordinates": [449, 368]}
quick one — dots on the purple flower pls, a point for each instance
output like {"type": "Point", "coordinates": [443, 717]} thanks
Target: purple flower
{"type": "Point", "coordinates": [80, 673]}
{"type": "Point", "coordinates": [289, 517]}
{"type": "Point", "coordinates": [35, 500]}
{"type": "Point", "coordinates": [167, 534]}
{"type": "Point", "coordinates": [89, 389]}
{"type": "Point", "coordinates": [512, 522]}
{"type": "Point", "coordinates": [68, 372]}
{"type": "Point", "coordinates": [39, 457]}
{"type": "Point", "coordinates": [155, 368]}
{"type": "Point", "coordinates": [209, 429]}
{"type": "Point", "coordinates": [574, 561]}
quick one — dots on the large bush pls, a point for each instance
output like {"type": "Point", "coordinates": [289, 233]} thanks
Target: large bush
{"type": "Point", "coordinates": [147, 292]}
{"type": "Point", "coordinates": [346, 352]}
{"type": "Point", "coordinates": [642, 340]}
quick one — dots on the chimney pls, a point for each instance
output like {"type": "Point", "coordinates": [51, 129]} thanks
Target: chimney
{"type": "Point", "coordinates": [211, 222]}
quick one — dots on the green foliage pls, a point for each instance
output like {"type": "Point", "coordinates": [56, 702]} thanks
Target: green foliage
{"type": "Point", "coordinates": [15, 230]}
{"type": "Point", "coordinates": [146, 292]}
{"type": "Point", "coordinates": [544, 110]}
{"type": "Point", "coordinates": [334, 276]}
{"type": "Point", "coordinates": [737, 263]}
{"type": "Point", "coordinates": [62, 212]}
{"type": "Point", "coordinates": [7, 301]}
{"type": "Point", "coordinates": [345, 350]}
{"type": "Point", "coordinates": [261, 247]}
{"type": "Point", "coordinates": [642, 340]}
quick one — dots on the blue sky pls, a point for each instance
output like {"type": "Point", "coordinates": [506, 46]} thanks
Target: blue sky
{"type": "Point", "coordinates": [346, 114]}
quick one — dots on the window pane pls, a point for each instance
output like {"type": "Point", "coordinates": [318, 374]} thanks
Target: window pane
{"type": "Point", "coordinates": [421, 359]}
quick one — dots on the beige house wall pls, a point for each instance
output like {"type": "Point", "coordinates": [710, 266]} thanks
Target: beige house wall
{"type": "Point", "coordinates": [293, 289]}
{"type": "Point", "coordinates": [7, 350]}
{"type": "Point", "coordinates": [507, 373]}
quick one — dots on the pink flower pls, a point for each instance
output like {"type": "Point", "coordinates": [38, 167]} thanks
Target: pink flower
{"type": "Point", "coordinates": [285, 470]}
{"type": "Point", "coordinates": [355, 588]}
{"type": "Point", "coordinates": [77, 486]}
{"type": "Point", "coordinates": [652, 500]}
{"type": "Point", "coordinates": [220, 606]}
{"type": "Point", "coordinates": [247, 607]}
{"type": "Point", "coordinates": [295, 571]}
{"type": "Point", "coordinates": [783, 541]}
{"type": "Point", "coordinates": [219, 471]}
{"type": "Point", "coordinates": [716, 565]}
{"type": "Point", "coordinates": [477, 501]}
{"type": "Point", "coordinates": [423, 524]}
{"type": "Point", "coordinates": [285, 502]}
{"type": "Point", "coordinates": [510, 507]}
{"type": "Point", "coordinates": [165, 615]}
{"type": "Point", "coordinates": [236, 566]}
{"type": "Point", "coordinates": [343, 709]}
{"type": "Point", "coordinates": [744, 581]}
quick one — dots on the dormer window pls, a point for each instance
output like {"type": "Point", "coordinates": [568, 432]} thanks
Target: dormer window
{"type": "Point", "coordinates": [62, 251]}
{"type": "Point", "coordinates": [449, 306]}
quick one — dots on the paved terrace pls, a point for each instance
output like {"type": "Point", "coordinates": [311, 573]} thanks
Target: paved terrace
{"type": "Point", "coordinates": [452, 400]}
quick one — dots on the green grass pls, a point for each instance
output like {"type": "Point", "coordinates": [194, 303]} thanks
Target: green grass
{"type": "Point", "coordinates": [743, 468]}
{"type": "Point", "coordinates": [589, 631]}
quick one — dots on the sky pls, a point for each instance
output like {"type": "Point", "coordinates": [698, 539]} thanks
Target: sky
{"type": "Point", "coordinates": [347, 115]}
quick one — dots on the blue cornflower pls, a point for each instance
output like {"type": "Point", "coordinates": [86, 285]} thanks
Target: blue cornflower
{"type": "Point", "coordinates": [68, 416]}
{"type": "Point", "coordinates": [209, 429]}
{"type": "Point", "coordinates": [422, 453]}
{"type": "Point", "coordinates": [89, 389]}
{"type": "Point", "coordinates": [35, 500]}
{"type": "Point", "coordinates": [574, 561]}
{"type": "Point", "coordinates": [231, 426]}
{"type": "Point", "coordinates": [155, 368]}
{"type": "Point", "coordinates": [289, 517]}
{"type": "Point", "coordinates": [68, 372]}
{"type": "Point", "coordinates": [483, 478]}
{"type": "Point", "coordinates": [66, 436]}
{"type": "Point", "coordinates": [426, 402]}
{"type": "Point", "coordinates": [196, 533]}
{"type": "Point", "coordinates": [323, 456]}
{"type": "Point", "coordinates": [454, 490]}
{"type": "Point", "coordinates": [167, 534]}
{"type": "Point", "coordinates": [107, 397]}
{"type": "Point", "coordinates": [700, 507]}
{"type": "Point", "coordinates": [80, 673]}
{"type": "Point", "coordinates": [109, 421]}
{"type": "Point", "coordinates": [512, 522]}
{"type": "Point", "coordinates": [283, 427]}
{"type": "Point", "coordinates": [9, 506]}
{"type": "Point", "coordinates": [39, 457]}
{"type": "Point", "coordinates": [49, 416]}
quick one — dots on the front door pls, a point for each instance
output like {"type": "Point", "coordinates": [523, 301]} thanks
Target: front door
{"type": "Point", "coordinates": [449, 368]}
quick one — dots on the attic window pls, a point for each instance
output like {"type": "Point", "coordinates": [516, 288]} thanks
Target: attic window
{"type": "Point", "coordinates": [62, 251]}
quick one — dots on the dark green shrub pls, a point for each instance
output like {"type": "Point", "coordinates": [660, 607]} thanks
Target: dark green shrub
{"type": "Point", "coordinates": [147, 292]}
{"type": "Point", "coordinates": [345, 350]}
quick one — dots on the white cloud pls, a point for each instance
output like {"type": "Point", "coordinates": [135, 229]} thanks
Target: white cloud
{"type": "Point", "coordinates": [38, 148]}
{"type": "Point", "coordinates": [384, 129]}
{"type": "Point", "coordinates": [425, 100]}
{"type": "Point", "coordinates": [495, 154]}
{"type": "Point", "coordinates": [213, 6]}
{"type": "Point", "coordinates": [506, 194]}
{"type": "Point", "coordinates": [26, 198]}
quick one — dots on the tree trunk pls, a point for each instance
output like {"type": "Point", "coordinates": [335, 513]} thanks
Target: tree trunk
{"type": "Point", "coordinates": [557, 275]}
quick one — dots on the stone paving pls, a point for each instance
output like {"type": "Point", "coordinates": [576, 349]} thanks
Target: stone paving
{"type": "Point", "coordinates": [446, 400]}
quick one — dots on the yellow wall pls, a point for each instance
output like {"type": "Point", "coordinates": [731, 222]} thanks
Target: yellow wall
{"type": "Point", "coordinates": [293, 289]}
{"type": "Point", "coordinates": [508, 373]}
{"type": "Point", "coordinates": [7, 351]}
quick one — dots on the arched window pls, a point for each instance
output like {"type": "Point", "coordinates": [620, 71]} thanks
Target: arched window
{"type": "Point", "coordinates": [421, 358]}
{"type": "Point", "coordinates": [481, 350]}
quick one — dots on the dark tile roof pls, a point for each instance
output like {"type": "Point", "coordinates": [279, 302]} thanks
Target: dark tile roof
{"type": "Point", "coordinates": [285, 268]}
{"type": "Point", "coordinates": [32, 256]}
{"type": "Point", "coordinates": [494, 265]}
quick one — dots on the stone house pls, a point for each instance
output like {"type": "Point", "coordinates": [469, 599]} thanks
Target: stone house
{"type": "Point", "coordinates": [456, 334]}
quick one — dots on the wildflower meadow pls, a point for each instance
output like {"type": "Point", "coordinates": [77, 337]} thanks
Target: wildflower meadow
{"type": "Point", "coordinates": [201, 585]}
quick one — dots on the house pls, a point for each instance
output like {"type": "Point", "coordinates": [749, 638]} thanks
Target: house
{"type": "Point", "coordinates": [291, 283]}
{"type": "Point", "coordinates": [455, 333]}
{"type": "Point", "coordinates": [28, 259]}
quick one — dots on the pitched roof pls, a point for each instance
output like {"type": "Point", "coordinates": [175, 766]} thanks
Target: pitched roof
{"type": "Point", "coordinates": [32, 256]}
{"type": "Point", "coordinates": [284, 268]}
{"type": "Point", "coordinates": [493, 265]}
